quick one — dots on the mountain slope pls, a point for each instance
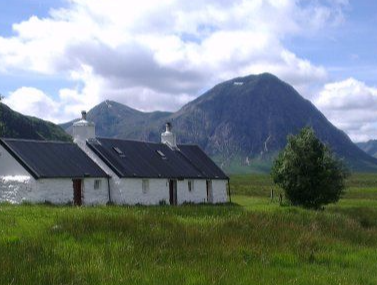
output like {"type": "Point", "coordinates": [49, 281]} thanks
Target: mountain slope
{"type": "Point", "coordinates": [250, 118]}
{"type": "Point", "coordinates": [16, 125]}
{"type": "Point", "coordinates": [370, 147]}
{"type": "Point", "coordinates": [242, 123]}
{"type": "Point", "coordinates": [113, 119]}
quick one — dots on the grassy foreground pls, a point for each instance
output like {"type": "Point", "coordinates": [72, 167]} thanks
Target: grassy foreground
{"type": "Point", "coordinates": [254, 241]}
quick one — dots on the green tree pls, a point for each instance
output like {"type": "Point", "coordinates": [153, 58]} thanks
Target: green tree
{"type": "Point", "coordinates": [308, 172]}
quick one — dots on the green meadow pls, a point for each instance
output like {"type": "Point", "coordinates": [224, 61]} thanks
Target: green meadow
{"type": "Point", "coordinates": [253, 240]}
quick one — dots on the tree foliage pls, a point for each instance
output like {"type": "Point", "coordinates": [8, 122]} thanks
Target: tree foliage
{"type": "Point", "coordinates": [308, 172]}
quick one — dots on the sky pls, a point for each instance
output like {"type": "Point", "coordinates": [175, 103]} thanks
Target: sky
{"type": "Point", "coordinates": [63, 56]}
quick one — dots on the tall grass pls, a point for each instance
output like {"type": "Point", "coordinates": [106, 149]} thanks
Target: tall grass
{"type": "Point", "coordinates": [255, 242]}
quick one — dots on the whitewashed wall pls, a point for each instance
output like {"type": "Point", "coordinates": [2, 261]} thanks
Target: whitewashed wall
{"type": "Point", "coordinates": [9, 166]}
{"type": "Point", "coordinates": [198, 193]}
{"type": "Point", "coordinates": [93, 196]}
{"type": "Point", "coordinates": [15, 182]}
{"type": "Point", "coordinates": [18, 189]}
{"type": "Point", "coordinates": [60, 191]}
{"type": "Point", "coordinates": [219, 191]}
{"type": "Point", "coordinates": [14, 189]}
{"type": "Point", "coordinates": [130, 191]}
{"type": "Point", "coordinates": [56, 191]}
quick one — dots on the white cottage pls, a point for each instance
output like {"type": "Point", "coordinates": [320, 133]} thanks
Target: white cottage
{"type": "Point", "coordinates": [55, 172]}
{"type": "Point", "coordinates": [154, 173]}
{"type": "Point", "coordinates": [103, 170]}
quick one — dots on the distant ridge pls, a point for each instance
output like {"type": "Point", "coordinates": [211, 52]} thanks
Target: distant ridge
{"type": "Point", "coordinates": [242, 123]}
{"type": "Point", "coordinates": [115, 120]}
{"type": "Point", "coordinates": [16, 125]}
{"type": "Point", "coordinates": [370, 147]}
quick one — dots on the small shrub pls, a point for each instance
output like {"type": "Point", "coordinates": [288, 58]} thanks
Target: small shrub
{"type": "Point", "coordinates": [308, 172]}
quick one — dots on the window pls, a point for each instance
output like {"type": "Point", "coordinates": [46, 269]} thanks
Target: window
{"type": "Point", "coordinates": [119, 151]}
{"type": "Point", "coordinates": [160, 153]}
{"type": "Point", "coordinates": [190, 185]}
{"type": "Point", "coordinates": [97, 184]}
{"type": "Point", "coordinates": [145, 186]}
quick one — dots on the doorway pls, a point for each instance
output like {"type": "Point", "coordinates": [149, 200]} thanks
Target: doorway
{"type": "Point", "coordinates": [173, 192]}
{"type": "Point", "coordinates": [77, 192]}
{"type": "Point", "coordinates": [209, 191]}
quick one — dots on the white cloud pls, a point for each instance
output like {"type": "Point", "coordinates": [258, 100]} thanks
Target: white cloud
{"type": "Point", "coordinates": [351, 105]}
{"type": "Point", "coordinates": [34, 102]}
{"type": "Point", "coordinates": [31, 101]}
{"type": "Point", "coordinates": [70, 102]}
{"type": "Point", "coordinates": [160, 54]}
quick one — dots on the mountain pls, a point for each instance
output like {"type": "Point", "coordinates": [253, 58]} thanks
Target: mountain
{"type": "Point", "coordinates": [16, 125]}
{"type": "Point", "coordinates": [115, 120]}
{"type": "Point", "coordinates": [242, 123]}
{"type": "Point", "coordinates": [370, 147]}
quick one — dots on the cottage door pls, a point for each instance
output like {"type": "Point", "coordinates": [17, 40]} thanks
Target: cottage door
{"type": "Point", "coordinates": [77, 192]}
{"type": "Point", "coordinates": [173, 192]}
{"type": "Point", "coordinates": [209, 191]}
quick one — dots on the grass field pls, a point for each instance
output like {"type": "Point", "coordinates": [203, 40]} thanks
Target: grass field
{"type": "Point", "coordinates": [253, 241]}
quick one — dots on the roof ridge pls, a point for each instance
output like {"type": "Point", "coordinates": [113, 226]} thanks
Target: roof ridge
{"type": "Point", "coordinates": [146, 142]}
{"type": "Point", "coordinates": [131, 140]}
{"type": "Point", "coordinates": [35, 141]}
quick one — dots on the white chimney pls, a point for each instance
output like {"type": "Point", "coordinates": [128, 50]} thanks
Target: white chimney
{"type": "Point", "coordinates": [83, 130]}
{"type": "Point", "coordinates": [168, 137]}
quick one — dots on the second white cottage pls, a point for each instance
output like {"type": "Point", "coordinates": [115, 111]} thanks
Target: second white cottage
{"type": "Point", "coordinates": [153, 173]}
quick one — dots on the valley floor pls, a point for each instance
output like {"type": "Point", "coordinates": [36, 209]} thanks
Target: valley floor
{"type": "Point", "coordinates": [253, 241]}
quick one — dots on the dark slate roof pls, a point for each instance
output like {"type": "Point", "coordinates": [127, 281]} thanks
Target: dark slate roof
{"type": "Point", "coordinates": [198, 158]}
{"type": "Point", "coordinates": [47, 159]}
{"type": "Point", "coordinates": [129, 158]}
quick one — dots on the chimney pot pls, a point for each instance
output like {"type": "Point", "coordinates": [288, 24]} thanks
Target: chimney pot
{"type": "Point", "coordinates": [168, 127]}
{"type": "Point", "coordinates": [83, 115]}
{"type": "Point", "coordinates": [83, 130]}
{"type": "Point", "coordinates": [168, 137]}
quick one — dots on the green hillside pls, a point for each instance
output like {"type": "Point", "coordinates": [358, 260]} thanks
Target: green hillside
{"type": "Point", "coordinates": [16, 125]}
